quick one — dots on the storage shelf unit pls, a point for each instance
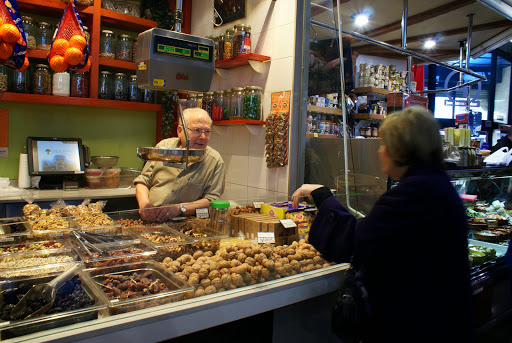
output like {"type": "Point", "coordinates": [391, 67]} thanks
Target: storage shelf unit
{"type": "Point", "coordinates": [366, 90]}
{"type": "Point", "coordinates": [240, 60]}
{"type": "Point", "coordinates": [325, 110]}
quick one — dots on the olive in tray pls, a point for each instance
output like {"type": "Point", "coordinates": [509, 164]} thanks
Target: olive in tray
{"type": "Point", "coordinates": [75, 302]}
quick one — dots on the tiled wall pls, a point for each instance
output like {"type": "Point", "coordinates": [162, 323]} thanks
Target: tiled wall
{"type": "Point", "coordinates": [273, 34]}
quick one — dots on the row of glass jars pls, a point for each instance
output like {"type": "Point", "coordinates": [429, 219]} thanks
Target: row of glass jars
{"type": "Point", "coordinates": [39, 35]}
{"type": "Point", "coordinates": [231, 104]}
{"type": "Point", "coordinates": [234, 42]}
{"type": "Point", "coordinates": [122, 87]}
{"type": "Point", "coordinates": [124, 49]}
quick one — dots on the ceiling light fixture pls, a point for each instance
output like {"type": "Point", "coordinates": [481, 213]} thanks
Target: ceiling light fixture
{"type": "Point", "coordinates": [429, 44]}
{"type": "Point", "coordinates": [361, 19]}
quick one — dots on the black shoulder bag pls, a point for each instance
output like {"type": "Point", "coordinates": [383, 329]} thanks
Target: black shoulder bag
{"type": "Point", "coordinates": [351, 308]}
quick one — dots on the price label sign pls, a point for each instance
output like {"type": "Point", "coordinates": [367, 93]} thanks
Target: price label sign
{"type": "Point", "coordinates": [257, 204]}
{"type": "Point", "coordinates": [288, 223]}
{"type": "Point", "coordinates": [265, 237]}
{"type": "Point", "coordinates": [7, 239]}
{"type": "Point", "coordinates": [202, 213]}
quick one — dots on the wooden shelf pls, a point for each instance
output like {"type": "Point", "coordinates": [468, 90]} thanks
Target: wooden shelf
{"type": "Point", "coordinates": [125, 21]}
{"type": "Point", "coordinates": [325, 110]}
{"type": "Point", "coordinates": [109, 62]}
{"type": "Point", "coordinates": [240, 60]}
{"type": "Point", "coordinates": [35, 53]}
{"type": "Point", "coordinates": [87, 102]}
{"type": "Point", "coordinates": [239, 122]}
{"type": "Point", "coordinates": [366, 90]}
{"type": "Point", "coordinates": [52, 8]}
{"type": "Point", "coordinates": [320, 135]}
{"type": "Point", "coordinates": [369, 116]}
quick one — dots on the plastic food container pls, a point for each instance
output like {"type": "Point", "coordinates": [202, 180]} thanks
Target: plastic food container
{"type": "Point", "coordinates": [31, 246]}
{"type": "Point", "coordinates": [175, 288]}
{"type": "Point", "coordinates": [78, 291]}
{"type": "Point", "coordinates": [167, 242]}
{"type": "Point", "coordinates": [51, 228]}
{"type": "Point", "coordinates": [14, 229]}
{"type": "Point", "coordinates": [102, 178]}
{"type": "Point", "coordinates": [204, 238]}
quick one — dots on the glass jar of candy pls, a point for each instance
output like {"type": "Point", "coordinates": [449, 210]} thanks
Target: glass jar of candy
{"type": "Point", "coordinates": [30, 31]}
{"type": "Point", "coordinates": [41, 79]}
{"type": "Point", "coordinates": [44, 36]}
{"type": "Point", "coordinates": [218, 106]}
{"type": "Point", "coordinates": [242, 40]}
{"type": "Point", "coordinates": [120, 87]}
{"type": "Point", "coordinates": [221, 46]}
{"type": "Point", "coordinates": [107, 44]}
{"type": "Point", "coordinates": [4, 78]}
{"type": "Point", "coordinates": [252, 103]}
{"type": "Point", "coordinates": [228, 44]}
{"type": "Point", "coordinates": [237, 103]}
{"type": "Point", "coordinates": [227, 104]}
{"type": "Point", "coordinates": [191, 101]}
{"type": "Point", "coordinates": [124, 48]}
{"type": "Point", "coordinates": [134, 49]}
{"type": "Point", "coordinates": [61, 84]}
{"type": "Point", "coordinates": [21, 81]}
{"type": "Point", "coordinates": [208, 103]}
{"type": "Point", "coordinates": [80, 85]}
{"type": "Point", "coordinates": [134, 93]}
{"type": "Point", "coordinates": [87, 35]}
{"type": "Point", "coordinates": [105, 86]}
{"type": "Point", "coordinates": [148, 96]}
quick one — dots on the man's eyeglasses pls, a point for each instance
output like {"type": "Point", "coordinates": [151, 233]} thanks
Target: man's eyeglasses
{"type": "Point", "coordinates": [197, 132]}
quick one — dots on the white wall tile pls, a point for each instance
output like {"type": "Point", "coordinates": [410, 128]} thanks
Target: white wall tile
{"type": "Point", "coordinates": [283, 38]}
{"type": "Point", "coordinates": [236, 193]}
{"type": "Point", "coordinates": [259, 15]}
{"type": "Point", "coordinates": [240, 137]}
{"type": "Point", "coordinates": [257, 144]}
{"type": "Point", "coordinates": [259, 194]}
{"type": "Point", "coordinates": [257, 173]}
{"type": "Point", "coordinates": [281, 75]}
{"type": "Point", "coordinates": [238, 169]}
{"type": "Point", "coordinates": [282, 179]}
{"type": "Point", "coordinates": [285, 12]}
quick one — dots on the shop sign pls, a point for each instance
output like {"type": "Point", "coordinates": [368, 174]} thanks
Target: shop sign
{"type": "Point", "coordinates": [472, 103]}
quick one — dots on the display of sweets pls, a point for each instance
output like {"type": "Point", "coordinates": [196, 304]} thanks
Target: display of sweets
{"type": "Point", "coordinates": [381, 76]}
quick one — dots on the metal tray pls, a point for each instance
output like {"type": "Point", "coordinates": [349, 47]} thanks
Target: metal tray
{"type": "Point", "coordinates": [208, 241]}
{"type": "Point", "coordinates": [14, 229]}
{"type": "Point", "coordinates": [16, 328]}
{"type": "Point", "coordinates": [169, 155]}
{"type": "Point", "coordinates": [159, 238]}
{"type": "Point", "coordinates": [176, 287]}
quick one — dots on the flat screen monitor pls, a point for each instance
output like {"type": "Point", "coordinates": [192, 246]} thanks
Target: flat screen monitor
{"type": "Point", "coordinates": [49, 156]}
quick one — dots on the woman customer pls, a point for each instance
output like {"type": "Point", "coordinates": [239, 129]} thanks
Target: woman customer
{"type": "Point", "coordinates": [411, 248]}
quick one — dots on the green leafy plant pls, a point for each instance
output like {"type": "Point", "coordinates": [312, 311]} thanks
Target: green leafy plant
{"type": "Point", "coordinates": [164, 16]}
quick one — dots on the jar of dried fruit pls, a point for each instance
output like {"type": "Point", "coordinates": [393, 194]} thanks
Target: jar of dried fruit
{"type": "Point", "coordinates": [30, 31]}
{"type": "Point", "coordinates": [124, 48]}
{"type": "Point", "coordinates": [41, 79]}
{"type": "Point", "coordinates": [134, 49]}
{"type": "Point", "coordinates": [107, 44]}
{"type": "Point", "coordinates": [44, 36]}
{"type": "Point", "coordinates": [3, 78]}
{"type": "Point", "coordinates": [228, 44]}
{"type": "Point", "coordinates": [191, 101]}
{"type": "Point", "coordinates": [80, 85]}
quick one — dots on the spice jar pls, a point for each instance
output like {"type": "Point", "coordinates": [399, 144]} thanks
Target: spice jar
{"type": "Point", "coordinates": [61, 83]}
{"type": "Point", "coordinates": [134, 49]}
{"type": "Point", "coordinates": [252, 103]}
{"type": "Point", "coordinates": [120, 89]}
{"type": "Point", "coordinates": [20, 81]}
{"type": "Point", "coordinates": [147, 96]}
{"type": "Point", "coordinates": [124, 48]}
{"type": "Point", "coordinates": [241, 40]}
{"type": "Point", "coordinates": [215, 40]}
{"type": "Point", "coordinates": [228, 44]}
{"type": "Point", "coordinates": [218, 105]}
{"type": "Point", "coordinates": [133, 89]}
{"type": "Point", "coordinates": [105, 86]}
{"type": "Point", "coordinates": [87, 35]}
{"type": "Point", "coordinates": [191, 101]}
{"type": "Point", "coordinates": [3, 78]}
{"type": "Point", "coordinates": [227, 104]}
{"type": "Point", "coordinates": [41, 80]}
{"type": "Point", "coordinates": [208, 103]}
{"type": "Point", "coordinates": [44, 36]}
{"type": "Point", "coordinates": [237, 104]}
{"type": "Point", "coordinates": [221, 46]}
{"type": "Point", "coordinates": [219, 216]}
{"type": "Point", "coordinates": [80, 85]}
{"type": "Point", "coordinates": [30, 31]}
{"type": "Point", "coordinates": [199, 100]}
{"type": "Point", "coordinates": [107, 44]}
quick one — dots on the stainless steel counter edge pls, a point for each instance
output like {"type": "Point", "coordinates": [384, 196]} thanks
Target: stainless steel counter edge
{"type": "Point", "coordinates": [80, 194]}
{"type": "Point", "coordinates": [184, 317]}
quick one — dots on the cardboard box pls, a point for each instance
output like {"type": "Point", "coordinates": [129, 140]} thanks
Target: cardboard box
{"type": "Point", "coordinates": [280, 209]}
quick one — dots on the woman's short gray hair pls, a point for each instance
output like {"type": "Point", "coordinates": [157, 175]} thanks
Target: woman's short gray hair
{"type": "Point", "coordinates": [411, 136]}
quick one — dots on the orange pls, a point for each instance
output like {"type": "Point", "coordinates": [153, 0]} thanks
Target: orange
{"type": "Point", "coordinates": [60, 46]}
{"type": "Point", "coordinates": [78, 41]}
{"type": "Point", "coordinates": [24, 66]}
{"type": "Point", "coordinates": [73, 56]}
{"type": "Point", "coordinates": [86, 68]}
{"type": "Point", "coordinates": [10, 33]}
{"type": "Point", "coordinates": [58, 64]}
{"type": "Point", "coordinates": [6, 50]}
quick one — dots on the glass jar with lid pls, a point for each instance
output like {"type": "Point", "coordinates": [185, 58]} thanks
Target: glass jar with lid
{"type": "Point", "coordinates": [227, 104]}
{"type": "Point", "coordinates": [87, 35]}
{"type": "Point", "coordinates": [133, 89]}
{"type": "Point", "coordinates": [80, 85]}
{"type": "Point", "coordinates": [4, 78]}
{"type": "Point", "coordinates": [124, 48]}
{"type": "Point", "coordinates": [215, 40]}
{"type": "Point", "coordinates": [237, 103]}
{"type": "Point", "coordinates": [61, 84]}
{"type": "Point", "coordinates": [228, 44]}
{"type": "Point", "coordinates": [219, 218]}
{"type": "Point", "coordinates": [134, 48]}
{"type": "Point", "coordinates": [41, 80]}
{"type": "Point", "coordinates": [252, 103]}
{"type": "Point", "coordinates": [21, 81]}
{"type": "Point", "coordinates": [30, 31]}
{"type": "Point", "coordinates": [218, 105]}
{"type": "Point", "coordinates": [105, 85]}
{"type": "Point", "coordinates": [148, 96]}
{"type": "Point", "coordinates": [221, 46]}
{"type": "Point", "coordinates": [107, 44]}
{"type": "Point", "coordinates": [199, 100]}
{"type": "Point", "coordinates": [120, 87]}
{"type": "Point", "coordinates": [241, 40]}
{"type": "Point", "coordinates": [208, 103]}
{"type": "Point", "coordinates": [44, 36]}
{"type": "Point", "coordinates": [191, 101]}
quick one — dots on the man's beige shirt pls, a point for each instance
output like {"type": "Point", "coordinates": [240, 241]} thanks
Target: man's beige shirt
{"type": "Point", "coordinates": [169, 185]}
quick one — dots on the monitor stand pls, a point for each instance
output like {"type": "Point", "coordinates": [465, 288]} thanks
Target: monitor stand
{"type": "Point", "coordinates": [56, 181]}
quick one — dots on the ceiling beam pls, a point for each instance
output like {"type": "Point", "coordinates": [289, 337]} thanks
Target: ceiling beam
{"type": "Point", "coordinates": [420, 17]}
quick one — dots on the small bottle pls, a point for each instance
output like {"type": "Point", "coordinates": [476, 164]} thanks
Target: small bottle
{"type": "Point", "coordinates": [21, 81]}
{"type": "Point", "coordinates": [218, 106]}
{"type": "Point", "coordinates": [309, 123]}
{"type": "Point", "coordinates": [199, 98]}
{"type": "Point", "coordinates": [252, 103]}
{"type": "Point", "coordinates": [134, 49]}
{"type": "Point", "coordinates": [87, 35]}
{"type": "Point", "coordinates": [207, 104]}
{"type": "Point", "coordinates": [148, 96]}
{"type": "Point", "coordinates": [222, 37]}
{"type": "Point", "coordinates": [228, 104]}
{"type": "Point", "coordinates": [241, 40]}
{"type": "Point", "coordinates": [4, 79]}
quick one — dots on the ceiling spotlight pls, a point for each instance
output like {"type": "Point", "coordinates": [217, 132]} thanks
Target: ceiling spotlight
{"type": "Point", "coordinates": [429, 44]}
{"type": "Point", "coordinates": [361, 19]}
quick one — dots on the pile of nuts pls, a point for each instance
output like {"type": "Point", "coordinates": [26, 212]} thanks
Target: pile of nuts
{"type": "Point", "coordinates": [241, 210]}
{"type": "Point", "coordinates": [242, 265]}
{"type": "Point", "coordinates": [42, 219]}
{"type": "Point", "coordinates": [132, 286]}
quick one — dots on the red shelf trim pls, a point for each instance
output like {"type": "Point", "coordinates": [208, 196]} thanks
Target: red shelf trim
{"type": "Point", "coordinates": [50, 6]}
{"type": "Point", "coordinates": [239, 122]}
{"type": "Point", "coordinates": [240, 60]}
{"type": "Point", "coordinates": [109, 62]}
{"type": "Point", "coordinates": [129, 21]}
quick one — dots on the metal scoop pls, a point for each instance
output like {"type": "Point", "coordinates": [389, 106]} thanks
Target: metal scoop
{"type": "Point", "coordinates": [43, 293]}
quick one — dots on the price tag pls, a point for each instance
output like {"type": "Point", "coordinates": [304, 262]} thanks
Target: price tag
{"type": "Point", "coordinates": [101, 231]}
{"type": "Point", "coordinates": [288, 223]}
{"type": "Point", "coordinates": [257, 204]}
{"type": "Point", "coordinates": [265, 237]}
{"type": "Point", "coordinates": [202, 213]}
{"type": "Point", "coordinates": [8, 239]}
{"type": "Point", "coordinates": [56, 234]}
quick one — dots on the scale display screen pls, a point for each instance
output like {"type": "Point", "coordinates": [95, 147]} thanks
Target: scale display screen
{"type": "Point", "coordinates": [182, 48]}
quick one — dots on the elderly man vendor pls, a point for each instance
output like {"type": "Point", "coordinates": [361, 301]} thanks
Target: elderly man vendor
{"type": "Point", "coordinates": [164, 192]}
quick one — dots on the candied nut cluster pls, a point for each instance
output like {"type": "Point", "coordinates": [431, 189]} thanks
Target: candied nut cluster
{"type": "Point", "coordinates": [132, 286]}
{"type": "Point", "coordinates": [162, 238]}
{"type": "Point", "coordinates": [247, 209]}
{"type": "Point", "coordinates": [130, 223]}
{"type": "Point", "coordinates": [239, 265]}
